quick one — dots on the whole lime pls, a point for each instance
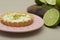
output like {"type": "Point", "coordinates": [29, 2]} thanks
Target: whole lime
{"type": "Point", "coordinates": [58, 3]}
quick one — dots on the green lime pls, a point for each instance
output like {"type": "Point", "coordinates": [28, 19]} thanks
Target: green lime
{"type": "Point", "coordinates": [51, 17]}
{"type": "Point", "coordinates": [51, 2]}
{"type": "Point", "coordinates": [47, 6]}
{"type": "Point", "coordinates": [39, 2]}
{"type": "Point", "coordinates": [58, 3]}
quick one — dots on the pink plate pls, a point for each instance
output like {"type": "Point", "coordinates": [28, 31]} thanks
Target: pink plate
{"type": "Point", "coordinates": [38, 23]}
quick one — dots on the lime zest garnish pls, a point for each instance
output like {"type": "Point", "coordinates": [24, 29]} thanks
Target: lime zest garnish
{"type": "Point", "coordinates": [16, 16]}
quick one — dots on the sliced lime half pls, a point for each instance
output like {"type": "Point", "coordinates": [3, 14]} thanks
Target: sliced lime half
{"type": "Point", "coordinates": [44, 1]}
{"type": "Point", "coordinates": [51, 2]}
{"type": "Point", "coordinates": [51, 17]}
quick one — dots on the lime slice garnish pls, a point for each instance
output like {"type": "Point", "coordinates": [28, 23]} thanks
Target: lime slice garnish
{"type": "Point", "coordinates": [51, 17]}
{"type": "Point", "coordinates": [52, 2]}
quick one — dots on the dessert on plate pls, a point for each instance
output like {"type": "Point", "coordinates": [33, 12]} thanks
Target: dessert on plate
{"type": "Point", "coordinates": [17, 19]}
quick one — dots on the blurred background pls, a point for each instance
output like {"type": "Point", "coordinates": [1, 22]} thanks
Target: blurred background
{"type": "Point", "coordinates": [15, 5]}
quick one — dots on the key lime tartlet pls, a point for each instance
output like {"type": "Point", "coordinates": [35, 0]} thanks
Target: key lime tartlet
{"type": "Point", "coordinates": [17, 19]}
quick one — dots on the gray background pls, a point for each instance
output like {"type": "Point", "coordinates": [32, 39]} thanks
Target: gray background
{"type": "Point", "coordinates": [21, 5]}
